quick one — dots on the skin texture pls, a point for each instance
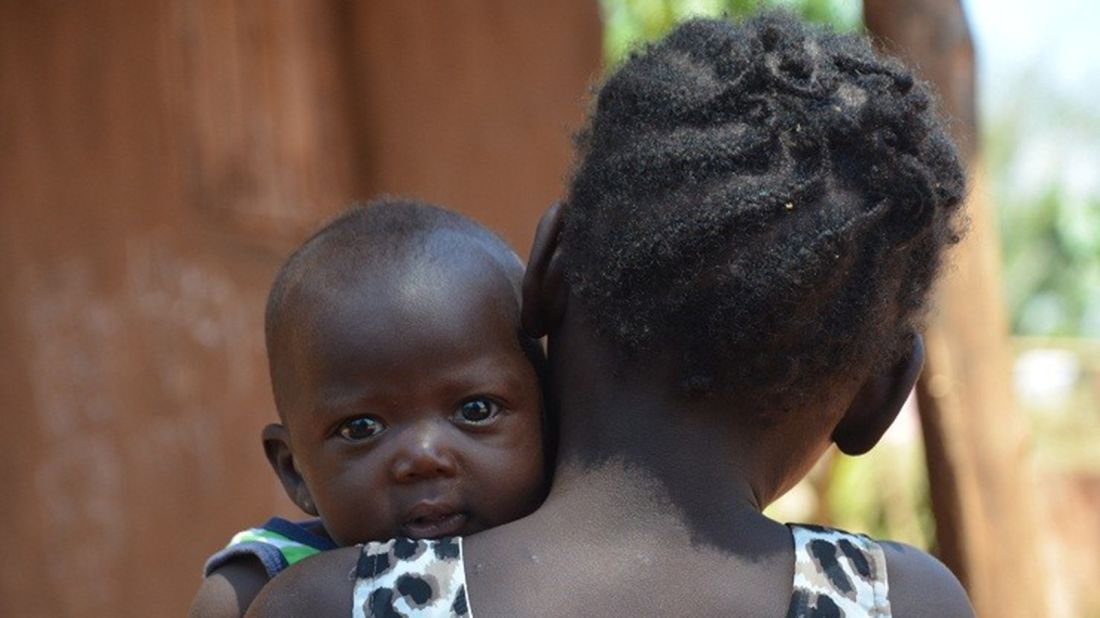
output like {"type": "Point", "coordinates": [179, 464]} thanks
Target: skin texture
{"type": "Point", "coordinates": [656, 502]}
{"type": "Point", "coordinates": [409, 408]}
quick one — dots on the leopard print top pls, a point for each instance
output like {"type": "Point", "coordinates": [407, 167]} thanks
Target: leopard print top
{"type": "Point", "coordinates": [406, 578]}
{"type": "Point", "coordinates": [836, 575]}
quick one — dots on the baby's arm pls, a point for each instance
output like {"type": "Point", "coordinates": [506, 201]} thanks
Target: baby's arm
{"type": "Point", "coordinates": [920, 585]}
{"type": "Point", "coordinates": [229, 589]}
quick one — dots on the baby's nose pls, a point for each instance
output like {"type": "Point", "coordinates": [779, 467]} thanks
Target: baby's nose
{"type": "Point", "coordinates": [425, 452]}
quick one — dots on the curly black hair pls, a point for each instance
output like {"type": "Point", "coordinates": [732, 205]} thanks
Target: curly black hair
{"type": "Point", "coordinates": [767, 201]}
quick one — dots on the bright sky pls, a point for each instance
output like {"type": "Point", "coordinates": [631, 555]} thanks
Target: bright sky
{"type": "Point", "coordinates": [1042, 54]}
{"type": "Point", "coordinates": [1014, 35]}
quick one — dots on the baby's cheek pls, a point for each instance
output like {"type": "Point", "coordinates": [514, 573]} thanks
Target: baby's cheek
{"type": "Point", "coordinates": [352, 524]}
{"type": "Point", "coordinates": [521, 483]}
{"type": "Point", "coordinates": [507, 471]}
{"type": "Point", "coordinates": [356, 511]}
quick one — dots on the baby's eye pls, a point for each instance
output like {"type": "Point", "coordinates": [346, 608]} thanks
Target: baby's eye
{"type": "Point", "coordinates": [478, 411]}
{"type": "Point", "coordinates": [360, 428]}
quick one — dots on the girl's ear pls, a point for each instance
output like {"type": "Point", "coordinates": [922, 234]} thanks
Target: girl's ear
{"type": "Point", "coordinates": [878, 402]}
{"type": "Point", "coordinates": [544, 290]}
{"type": "Point", "coordinates": [277, 447]}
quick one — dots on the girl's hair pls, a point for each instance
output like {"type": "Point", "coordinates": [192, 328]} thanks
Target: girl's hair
{"type": "Point", "coordinates": [766, 203]}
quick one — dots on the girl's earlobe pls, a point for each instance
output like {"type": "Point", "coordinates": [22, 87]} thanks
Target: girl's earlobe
{"type": "Point", "coordinates": [277, 448]}
{"type": "Point", "coordinates": [544, 290]}
{"type": "Point", "coordinates": [878, 402]}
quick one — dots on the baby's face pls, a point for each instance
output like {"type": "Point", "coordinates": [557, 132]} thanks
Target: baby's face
{"type": "Point", "coordinates": [417, 413]}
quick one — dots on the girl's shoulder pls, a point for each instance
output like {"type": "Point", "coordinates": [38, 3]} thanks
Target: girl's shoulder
{"type": "Point", "coordinates": [920, 585]}
{"type": "Point", "coordinates": [318, 586]}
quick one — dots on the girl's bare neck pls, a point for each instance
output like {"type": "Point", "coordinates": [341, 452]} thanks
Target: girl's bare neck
{"type": "Point", "coordinates": [631, 456]}
{"type": "Point", "coordinates": [633, 528]}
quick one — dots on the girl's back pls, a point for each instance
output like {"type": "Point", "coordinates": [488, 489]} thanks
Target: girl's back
{"type": "Point", "coordinates": [582, 554]}
{"type": "Point", "coordinates": [570, 569]}
{"type": "Point", "coordinates": [544, 565]}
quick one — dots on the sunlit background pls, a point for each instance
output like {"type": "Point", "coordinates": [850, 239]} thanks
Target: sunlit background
{"type": "Point", "coordinates": [159, 159]}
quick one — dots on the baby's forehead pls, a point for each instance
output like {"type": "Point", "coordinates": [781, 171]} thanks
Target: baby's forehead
{"type": "Point", "coordinates": [389, 268]}
{"type": "Point", "coordinates": [422, 253]}
{"type": "Point", "coordinates": [422, 286]}
{"type": "Point", "coordinates": [435, 261]}
{"type": "Point", "coordinates": [428, 314]}
{"type": "Point", "coordinates": [407, 292]}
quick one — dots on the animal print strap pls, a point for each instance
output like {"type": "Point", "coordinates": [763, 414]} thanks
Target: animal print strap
{"type": "Point", "coordinates": [837, 574]}
{"type": "Point", "coordinates": [411, 578]}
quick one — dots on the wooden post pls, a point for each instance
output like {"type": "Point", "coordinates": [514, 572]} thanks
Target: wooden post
{"type": "Point", "coordinates": [982, 483]}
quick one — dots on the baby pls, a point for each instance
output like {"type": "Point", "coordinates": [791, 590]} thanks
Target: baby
{"type": "Point", "coordinates": [408, 397]}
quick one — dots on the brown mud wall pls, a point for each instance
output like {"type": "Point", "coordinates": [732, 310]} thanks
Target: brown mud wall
{"type": "Point", "coordinates": [157, 162]}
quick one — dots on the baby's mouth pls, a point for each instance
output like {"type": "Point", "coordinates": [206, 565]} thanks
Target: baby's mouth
{"type": "Point", "coordinates": [431, 521]}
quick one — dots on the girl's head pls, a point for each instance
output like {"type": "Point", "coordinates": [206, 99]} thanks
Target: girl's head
{"type": "Point", "coordinates": [409, 399]}
{"type": "Point", "coordinates": [762, 206]}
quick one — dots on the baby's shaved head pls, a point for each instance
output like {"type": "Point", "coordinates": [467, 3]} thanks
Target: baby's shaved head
{"type": "Point", "coordinates": [384, 235]}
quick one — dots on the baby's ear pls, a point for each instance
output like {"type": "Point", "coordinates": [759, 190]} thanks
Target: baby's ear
{"type": "Point", "coordinates": [544, 290]}
{"type": "Point", "coordinates": [878, 402]}
{"type": "Point", "coordinates": [277, 448]}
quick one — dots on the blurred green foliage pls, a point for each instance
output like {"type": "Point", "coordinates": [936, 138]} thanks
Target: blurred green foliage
{"type": "Point", "coordinates": [883, 493]}
{"type": "Point", "coordinates": [1049, 224]}
{"type": "Point", "coordinates": [628, 22]}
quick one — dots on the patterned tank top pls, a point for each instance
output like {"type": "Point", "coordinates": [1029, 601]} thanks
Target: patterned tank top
{"type": "Point", "coordinates": [836, 575]}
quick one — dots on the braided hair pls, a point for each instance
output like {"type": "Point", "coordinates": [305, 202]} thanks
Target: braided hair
{"type": "Point", "coordinates": [767, 202]}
